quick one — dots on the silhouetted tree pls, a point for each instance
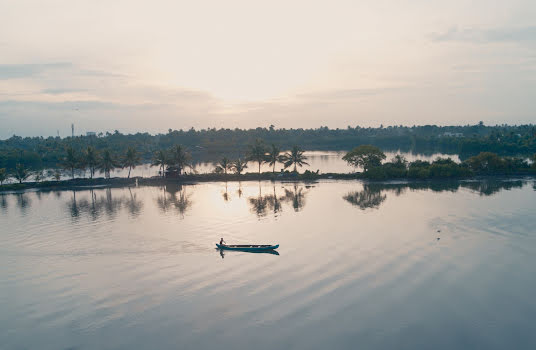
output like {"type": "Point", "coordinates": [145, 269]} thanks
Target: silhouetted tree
{"type": "Point", "coordinates": [71, 161]}
{"type": "Point", "coordinates": [274, 156]}
{"type": "Point", "coordinates": [3, 175]}
{"type": "Point", "coordinates": [132, 158]}
{"type": "Point", "coordinates": [366, 156]}
{"type": "Point", "coordinates": [238, 166]}
{"type": "Point", "coordinates": [295, 157]}
{"type": "Point", "coordinates": [108, 163]}
{"type": "Point", "coordinates": [160, 159]}
{"type": "Point", "coordinates": [91, 160]}
{"type": "Point", "coordinates": [257, 153]}
{"type": "Point", "coordinates": [179, 158]}
{"type": "Point", "coordinates": [225, 163]}
{"type": "Point", "coordinates": [21, 173]}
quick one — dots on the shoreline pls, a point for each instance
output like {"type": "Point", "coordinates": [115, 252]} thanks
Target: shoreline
{"type": "Point", "coordinates": [193, 179]}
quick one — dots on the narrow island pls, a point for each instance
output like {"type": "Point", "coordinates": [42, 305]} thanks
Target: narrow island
{"type": "Point", "coordinates": [44, 163]}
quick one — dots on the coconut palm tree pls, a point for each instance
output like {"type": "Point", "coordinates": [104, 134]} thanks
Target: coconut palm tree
{"type": "Point", "coordinates": [132, 158]}
{"type": "Point", "coordinates": [257, 153]}
{"type": "Point", "coordinates": [3, 175]}
{"type": "Point", "coordinates": [295, 157]}
{"type": "Point", "coordinates": [180, 158]}
{"type": "Point", "coordinates": [107, 163]}
{"type": "Point", "coordinates": [71, 161]}
{"type": "Point", "coordinates": [274, 156]}
{"type": "Point", "coordinates": [91, 160]}
{"type": "Point", "coordinates": [225, 163]}
{"type": "Point", "coordinates": [21, 173]}
{"type": "Point", "coordinates": [238, 166]}
{"type": "Point", "coordinates": [160, 159]}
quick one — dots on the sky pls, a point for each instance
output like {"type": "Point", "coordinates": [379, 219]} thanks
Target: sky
{"type": "Point", "coordinates": [154, 65]}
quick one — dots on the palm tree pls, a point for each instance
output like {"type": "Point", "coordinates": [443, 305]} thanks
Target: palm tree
{"type": "Point", "coordinates": [296, 157]}
{"type": "Point", "coordinates": [160, 159]}
{"type": "Point", "coordinates": [225, 163]}
{"type": "Point", "coordinates": [238, 166]}
{"type": "Point", "coordinates": [274, 156]}
{"type": "Point", "coordinates": [71, 161]}
{"type": "Point", "coordinates": [21, 173]}
{"type": "Point", "coordinates": [107, 163]}
{"type": "Point", "coordinates": [91, 160]}
{"type": "Point", "coordinates": [132, 158]}
{"type": "Point", "coordinates": [257, 153]}
{"type": "Point", "coordinates": [3, 175]}
{"type": "Point", "coordinates": [180, 158]}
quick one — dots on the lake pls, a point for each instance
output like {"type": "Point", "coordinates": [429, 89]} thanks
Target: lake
{"type": "Point", "coordinates": [439, 265]}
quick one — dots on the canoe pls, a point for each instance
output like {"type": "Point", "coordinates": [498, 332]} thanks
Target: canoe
{"type": "Point", "coordinates": [247, 247]}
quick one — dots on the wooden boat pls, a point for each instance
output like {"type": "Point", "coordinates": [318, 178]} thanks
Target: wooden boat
{"type": "Point", "coordinates": [248, 247]}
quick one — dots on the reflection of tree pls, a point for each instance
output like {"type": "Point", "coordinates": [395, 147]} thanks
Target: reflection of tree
{"type": "Point", "coordinates": [375, 193]}
{"type": "Point", "coordinates": [296, 196]}
{"type": "Point", "coordinates": [370, 197]}
{"type": "Point", "coordinates": [73, 207]}
{"type": "Point", "coordinates": [174, 197]}
{"type": "Point", "coordinates": [111, 205]}
{"type": "Point", "coordinates": [261, 204]}
{"type": "Point", "coordinates": [239, 189]}
{"type": "Point", "coordinates": [23, 202]}
{"type": "Point", "coordinates": [226, 194]}
{"type": "Point", "coordinates": [95, 206]}
{"type": "Point", "coordinates": [3, 201]}
{"type": "Point", "coordinates": [134, 205]}
{"type": "Point", "coordinates": [490, 187]}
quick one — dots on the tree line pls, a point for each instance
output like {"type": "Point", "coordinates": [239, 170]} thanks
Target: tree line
{"type": "Point", "coordinates": [172, 161]}
{"type": "Point", "coordinates": [371, 160]}
{"type": "Point", "coordinates": [467, 140]}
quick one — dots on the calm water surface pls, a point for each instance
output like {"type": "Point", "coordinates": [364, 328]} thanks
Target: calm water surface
{"type": "Point", "coordinates": [370, 266]}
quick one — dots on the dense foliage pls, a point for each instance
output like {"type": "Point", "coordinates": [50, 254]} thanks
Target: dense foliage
{"type": "Point", "coordinates": [469, 140]}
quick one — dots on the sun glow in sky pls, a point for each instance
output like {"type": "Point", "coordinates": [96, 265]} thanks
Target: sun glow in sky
{"type": "Point", "coordinates": [150, 66]}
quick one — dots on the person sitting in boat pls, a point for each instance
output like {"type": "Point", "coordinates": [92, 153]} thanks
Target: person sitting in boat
{"type": "Point", "coordinates": [222, 242]}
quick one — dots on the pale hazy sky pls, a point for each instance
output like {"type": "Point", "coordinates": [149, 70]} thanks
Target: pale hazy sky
{"type": "Point", "coordinates": [153, 65]}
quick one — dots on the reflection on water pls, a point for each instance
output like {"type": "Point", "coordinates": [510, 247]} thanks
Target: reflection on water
{"type": "Point", "coordinates": [173, 198]}
{"type": "Point", "coordinates": [293, 195]}
{"type": "Point", "coordinates": [374, 194]}
{"type": "Point", "coordinates": [441, 265]}
{"type": "Point", "coordinates": [224, 252]}
{"type": "Point", "coordinates": [369, 197]}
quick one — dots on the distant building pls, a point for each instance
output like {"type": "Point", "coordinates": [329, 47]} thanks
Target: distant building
{"type": "Point", "coordinates": [452, 134]}
{"type": "Point", "coordinates": [91, 133]}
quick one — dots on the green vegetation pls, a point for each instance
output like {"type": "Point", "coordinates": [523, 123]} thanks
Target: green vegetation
{"type": "Point", "coordinates": [365, 156]}
{"type": "Point", "coordinates": [274, 156]}
{"type": "Point", "coordinates": [257, 153]}
{"type": "Point", "coordinates": [238, 166]}
{"type": "Point", "coordinates": [173, 161]}
{"type": "Point", "coordinates": [223, 165]}
{"type": "Point", "coordinates": [486, 163]}
{"type": "Point", "coordinates": [467, 141]}
{"type": "Point", "coordinates": [107, 163]}
{"type": "Point", "coordinates": [3, 175]}
{"type": "Point", "coordinates": [132, 159]}
{"type": "Point", "coordinates": [294, 157]}
{"type": "Point", "coordinates": [21, 173]}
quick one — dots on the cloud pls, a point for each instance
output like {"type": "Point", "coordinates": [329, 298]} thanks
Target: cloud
{"type": "Point", "coordinates": [58, 91]}
{"type": "Point", "coordinates": [13, 71]}
{"type": "Point", "coordinates": [491, 35]}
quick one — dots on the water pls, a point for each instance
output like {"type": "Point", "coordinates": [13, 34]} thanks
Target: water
{"type": "Point", "coordinates": [372, 266]}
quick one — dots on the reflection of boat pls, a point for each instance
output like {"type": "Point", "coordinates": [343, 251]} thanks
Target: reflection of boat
{"type": "Point", "coordinates": [269, 251]}
{"type": "Point", "coordinates": [248, 247]}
